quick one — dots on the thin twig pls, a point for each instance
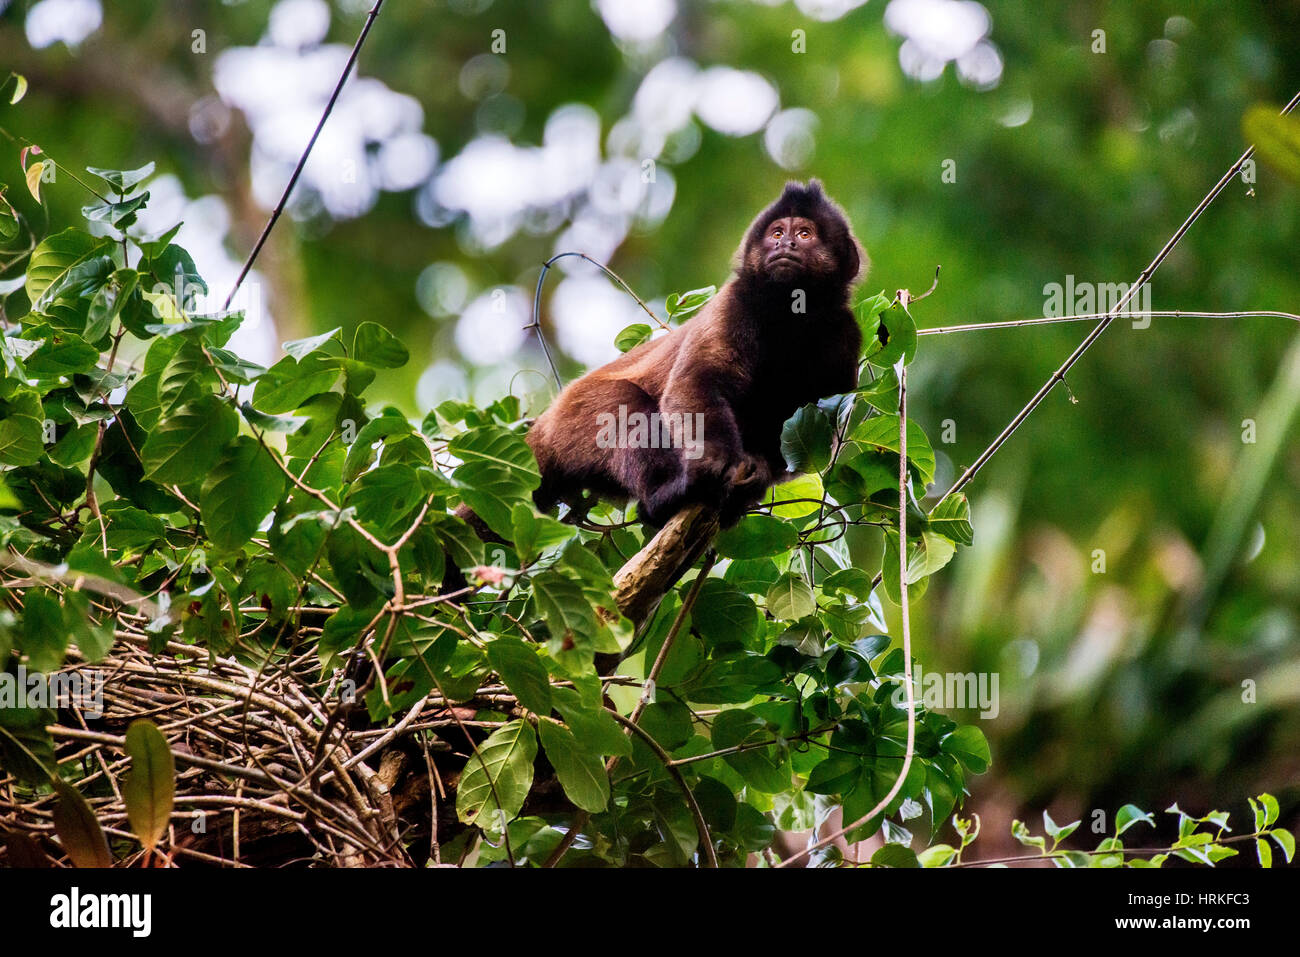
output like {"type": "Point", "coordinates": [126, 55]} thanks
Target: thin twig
{"type": "Point", "coordinates": [302, 160]}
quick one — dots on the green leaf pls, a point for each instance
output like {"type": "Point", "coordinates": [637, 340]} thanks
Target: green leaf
{"type": "Point", "coordinates": [1056, 832]}
{"type": "Point", "coordinates": [1269, 804]}
{"type": "Point", "coordinates": [1265, 853]}
{"type": "Point", "coordinates": [757, 536]}
{"type": "Point", "coordinates": [535, 533]}
{"type": "Point", "coordinates": [123, 180]}
{"type": "Point", "coordinates": [45, 632]}
{"type": "Point", "coordinates": [895, 855]}
{"type": "Point", "coordinates": [581, 771]}
{"type": "Point", "coordinates": [681, 305]}
{"type": "Point", "coordinates": [1129, 815]}
{"type": "Point", "coordinates": [937, 855]}
{"type": "Point", "coordinates": [669, 723]}
{"type": "Point", "coordinates": [1285, 840]}
{"type": "Point", "coordinates": [790, 598]}
{"type": "Point", "coordinates": [724, 614]}
{"type": "Point", "coordinates": [20, 88]}
{"type": "Point", "coordinates": [969, 746]}
{"type": "Point", "coordinates": [291, 382]}
{"type": "Point", "coordinates": [806, 488]}
{"type": "Point", "coordinates": [187, 445]}
{"type": "Point", "coordinates": [1021, 833]}
{"type": "Point", "coordinates": [22, 424]}
{"type": "Point", "coordinates": [52, 260]}
{"type": "Point", "coordinates": [78, 830]}
{"type": "Point", "coordinates": [569, 615]}
{"type": "Point", "coordinates": [301, 348]}
{"type": "Point", "coordinates": [881, 431]}
{"type": "Point", "coordinates": [632, 336]}
{"type": "Point", "coordinates": [387, 496]}
{"type": "Point", "coordinates": [951, 519]}
{"type": "Point", "coordinates": [239, 492]}
{"type": "Point", "coordinates": [498, 777]}
{"type": "Point", "coordinates": [523, 673]}
{"type": "Point", "coordinates": [150, 785]}
{"type": "Point", "coordinates": [762, 768]}
{"type": "Point", "coordinates": [497, 471]}
{"type": "Point", "coordinates": [376, 346]}
{"type": "Point", "coordinates": [806, 439]}
{"type": "Point", "coordinates": [63, 357]}
{"type": "Point", "coordinates": [590, 722]}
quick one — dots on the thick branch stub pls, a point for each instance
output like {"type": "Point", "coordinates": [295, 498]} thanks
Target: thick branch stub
{"type": "Point", "coordinates": [649, 573]}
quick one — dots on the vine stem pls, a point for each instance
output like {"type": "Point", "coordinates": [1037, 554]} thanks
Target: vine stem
{"type": "Point", "coordinates": [537, 304]}
{"type": "Point", "coordinates": [302, 160]}
{"type": "Point", "coordinates": [901, 370]}
{"type": "Point", "coordinates": [1059, 375]}
{"type": "Point", "coordinates": [1086, 316]}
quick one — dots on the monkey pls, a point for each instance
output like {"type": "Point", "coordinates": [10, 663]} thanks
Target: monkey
{"type": "Point", "coordinates": [695, 415]}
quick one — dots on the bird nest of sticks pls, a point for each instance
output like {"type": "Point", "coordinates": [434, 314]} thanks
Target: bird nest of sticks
{"type": "Point", "coordinates": [269, 768]}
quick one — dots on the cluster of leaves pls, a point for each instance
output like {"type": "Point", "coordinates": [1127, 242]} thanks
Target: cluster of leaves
{"type": "Point", "coordinates": [138, 450]}
{"type": "Point", "coordinates": [1194, 845]}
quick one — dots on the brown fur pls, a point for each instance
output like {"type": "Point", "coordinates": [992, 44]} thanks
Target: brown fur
{"type": "Point", "coordinates": [747, 361]}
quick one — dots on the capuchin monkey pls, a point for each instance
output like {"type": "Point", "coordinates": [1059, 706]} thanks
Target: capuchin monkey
{"type": "Point", "coordinates": [695, 416]}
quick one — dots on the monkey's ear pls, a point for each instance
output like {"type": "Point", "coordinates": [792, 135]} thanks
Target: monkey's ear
{"type": "Point", "coordinates": [854, 261]}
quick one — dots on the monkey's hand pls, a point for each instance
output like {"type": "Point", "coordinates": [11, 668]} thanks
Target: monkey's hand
{"type": "Point", "coordinates": [749, 478]}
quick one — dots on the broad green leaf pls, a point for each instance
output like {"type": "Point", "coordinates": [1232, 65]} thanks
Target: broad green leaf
{"type": "Point", "coordinates": [66, 356]}
{"type": "Point", "coordinates": [123, 180]}
{"type": "Point", "coordinates": [22, 424]}
{"type": "Point", "coordinates": [757, 536]}
{"type": "Point", "coordinates": [187, 445]}
{"type": "Point", "coordinates": [376, 346]}
{"type": "Point", "coordinates": [806, 440]}
{"type": "Point", "coordinates": [291, 382]}
{"type": "Point", "coordinates": [969, 746]}
{"type": "Point", "coordinates": [881, 431]}
{"type": "Point", "coordinates": [1285, 840]}
{"type": "Point", "coordinates": [1129, 815]}
{"type": "Point", "coordinates": [895, 855]}
{"type": "Point", "coordinates": [523, 673]}
{"type": "Point", "coordinates": [790, 598]}
{"type": "Point", "coordinates": [632, 336]}
{"type": "Point", "coordinates": [497, 777]}
{"type": "Point", "coordinates": [149, 788]}
{"type": "Point", "coordinates": [56, 255]}
{"type": "Point", "coordinates": [45, 633]}
{"type": "Point", "coordinates": [802, 495]}
{"type": "Point", "coordinates": [239, 492]}
{"type": "Point", "coordinates": [301, 348]}
{"type": "Point", "coordinates": [580, 770]}
{"type": "Point", "coordinates": [951, 519]}
{"type": "Point", "coordinates": [723, 614]}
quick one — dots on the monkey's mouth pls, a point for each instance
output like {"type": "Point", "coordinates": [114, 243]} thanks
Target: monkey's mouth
{"type": "Point", "coordinates": [784, 262]}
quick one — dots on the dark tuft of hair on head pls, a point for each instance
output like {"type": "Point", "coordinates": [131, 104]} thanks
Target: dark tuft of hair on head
{"type": "Point", "coordinates": [809, 200]}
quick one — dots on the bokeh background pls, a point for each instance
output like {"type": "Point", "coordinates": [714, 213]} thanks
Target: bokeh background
{"type": "Point", "coordinates": [479, 138]}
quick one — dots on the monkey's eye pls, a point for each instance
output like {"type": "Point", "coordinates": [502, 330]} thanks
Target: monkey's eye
{"type": "Point", "coordinates": [805, 233]}
{"type": "Point", "coordinates": [778, 233]}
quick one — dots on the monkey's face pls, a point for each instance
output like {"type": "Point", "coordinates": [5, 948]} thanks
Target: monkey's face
{"type": "Point", "coordinates": [792, 248]}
